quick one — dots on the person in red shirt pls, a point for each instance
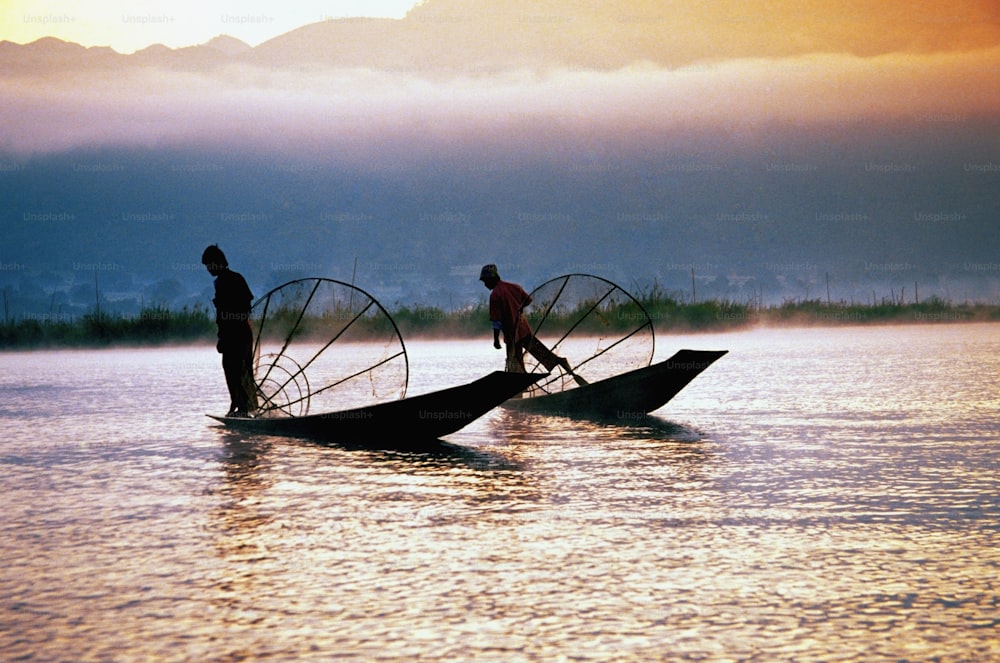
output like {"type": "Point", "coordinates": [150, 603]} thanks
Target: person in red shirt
{"type": "Point", "coordinates": [232, 316]}
{"type": "Point", "coordinates": [507, 303]}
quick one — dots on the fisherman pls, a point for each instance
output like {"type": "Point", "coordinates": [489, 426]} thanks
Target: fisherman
{"type": "Point", "coordinates": [507, 303]}
{"type": "Point", "coordinates": [232, 316]}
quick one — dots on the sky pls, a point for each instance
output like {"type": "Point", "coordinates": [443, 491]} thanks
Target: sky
{"type": "Point", "coordinates": [720, 65]}
{"type": "Point", "coordinates": [130, 25]}
{"type": "Point", "coordinates": [762, 145]}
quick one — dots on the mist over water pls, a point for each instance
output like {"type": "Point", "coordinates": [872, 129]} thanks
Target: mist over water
{"type": "Point", "coordinates": [814, 495]}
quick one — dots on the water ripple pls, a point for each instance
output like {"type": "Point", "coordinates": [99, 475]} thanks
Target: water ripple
{"type": "Point", "coordinates": [841, 511]}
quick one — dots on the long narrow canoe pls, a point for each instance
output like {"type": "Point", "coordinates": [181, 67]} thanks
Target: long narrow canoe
{"type": "Point", "coordinates": [627, 396]}
{"type": "Point", "coordinates": [424, 417]}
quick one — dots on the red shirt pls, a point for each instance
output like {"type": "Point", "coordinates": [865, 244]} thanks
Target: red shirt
{"type": "Point", "coordinates": [506, 302]}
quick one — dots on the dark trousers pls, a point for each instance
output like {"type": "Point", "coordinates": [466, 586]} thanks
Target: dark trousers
{"type": "Point", "coordinates": [237, 364]}
{"type": "Point", "coordinates": [537, 349]}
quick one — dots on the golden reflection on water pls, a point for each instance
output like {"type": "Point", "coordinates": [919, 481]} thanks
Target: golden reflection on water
{"type": "Point", "coordinates": [452, 548]}
{"type": "Point", "coordinates": [766, 514]}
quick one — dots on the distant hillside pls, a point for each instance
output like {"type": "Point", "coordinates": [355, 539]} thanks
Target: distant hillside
{"type": "Point", "coordinates": [473, 37]}
{"type": "Point", "coordinates": [49, 56]}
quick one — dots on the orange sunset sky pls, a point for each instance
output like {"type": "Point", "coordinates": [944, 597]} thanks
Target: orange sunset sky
{"type": "Point", "coordinates": [726, 27]}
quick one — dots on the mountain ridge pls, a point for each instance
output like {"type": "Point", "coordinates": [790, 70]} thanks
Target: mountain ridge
{"type": "Point", "coordinates": [446, 36]}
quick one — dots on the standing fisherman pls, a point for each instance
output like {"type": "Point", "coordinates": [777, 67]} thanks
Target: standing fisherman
{"type": "Point", "coordinates": [507, 303]}
{"type": "Point", "coordinates": [232, 316]}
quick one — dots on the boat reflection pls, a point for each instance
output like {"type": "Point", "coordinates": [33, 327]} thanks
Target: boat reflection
{"type": "Point", "coordinates": [526, 425]}
{"type": "Point", "coordinates": [432, 454]}
{"type": "Point", "coordinates": [244, 452]}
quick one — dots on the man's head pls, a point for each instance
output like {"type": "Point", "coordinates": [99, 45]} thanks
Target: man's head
{"type": "Point", "coordinates": [489, 276]}
{"type": "Point", "coordinates": [214, 260]}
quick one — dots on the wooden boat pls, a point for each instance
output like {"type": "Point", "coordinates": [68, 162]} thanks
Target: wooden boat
{"type": "Point", "coordinates": [595, 328]}
{"type": "Point", "coordinates": [424, 417]}
{"type": "Point", "coordinates": [627, 396]}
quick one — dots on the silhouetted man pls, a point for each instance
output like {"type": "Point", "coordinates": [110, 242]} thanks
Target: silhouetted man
{"type": "Point", "coordinates": [507, 302]}
{"type": "Point", "coordinates": [232, 316]}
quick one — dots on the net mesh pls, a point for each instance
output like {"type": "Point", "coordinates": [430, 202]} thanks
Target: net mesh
{"type": "Point", "coordinates": [595, 325]}
{"type": "Point", "coordinates": [323, 345]}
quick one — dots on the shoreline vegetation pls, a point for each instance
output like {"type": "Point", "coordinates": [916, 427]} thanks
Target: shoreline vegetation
{"type": "Point", "coordinates": [159, 325]}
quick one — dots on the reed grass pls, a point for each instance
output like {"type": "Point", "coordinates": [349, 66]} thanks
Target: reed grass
{"type": "Point", "coordinates": [159, 325]}
{"type": "Point", "coordinates": [155, 325]}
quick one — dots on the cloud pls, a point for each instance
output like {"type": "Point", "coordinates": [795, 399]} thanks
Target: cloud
{"type": "Point", "coordinates": [462, 74]}
{"type": "Point", "coordinates": [362, 112]}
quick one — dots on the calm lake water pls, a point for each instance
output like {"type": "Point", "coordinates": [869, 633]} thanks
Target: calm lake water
{"type": "Point", "coordinates": [816, 495]}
